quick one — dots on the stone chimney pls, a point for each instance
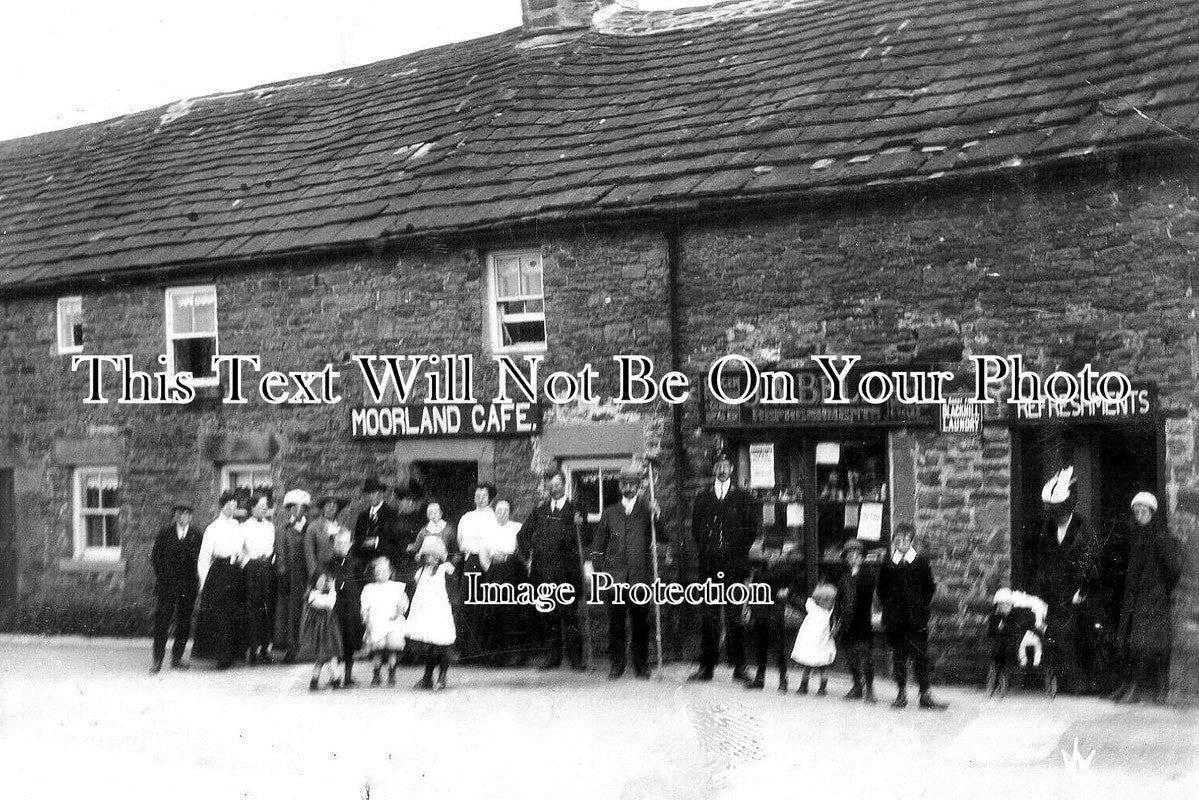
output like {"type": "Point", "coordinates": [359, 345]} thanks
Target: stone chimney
{"type": "Point", "coordinates": [557, 16]}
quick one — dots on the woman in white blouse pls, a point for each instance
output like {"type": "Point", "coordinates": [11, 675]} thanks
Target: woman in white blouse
{"type": "Point", "coordinates": [258, 555]}
{"type": "Point", "coordinates": [220, 623]}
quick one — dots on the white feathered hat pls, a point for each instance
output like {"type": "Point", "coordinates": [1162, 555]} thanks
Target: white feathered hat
{"type": "Point", "coordinates": [1058, 489]}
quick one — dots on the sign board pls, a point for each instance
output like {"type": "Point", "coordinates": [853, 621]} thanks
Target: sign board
{"type": "Point", "coordinates": [1141, 403]}
{"type": "Point", "coordinates": [958, 415]}
{"type": "Point", "coordinates": [810, 409]}
{"type": "Point", "coordinates": [459, 420]}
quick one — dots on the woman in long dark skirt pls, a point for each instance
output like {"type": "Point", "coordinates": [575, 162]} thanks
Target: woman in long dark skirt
{"type": "Point", "coordinates": [1144, 632]}
{"type": "Point", "coordinates": [220, 634]}
{"type": "Point", "coordinates": [258, 554]}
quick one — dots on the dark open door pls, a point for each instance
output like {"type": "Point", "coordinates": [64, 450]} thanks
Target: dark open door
{"type": "Point", "coordinates": [8, 541]}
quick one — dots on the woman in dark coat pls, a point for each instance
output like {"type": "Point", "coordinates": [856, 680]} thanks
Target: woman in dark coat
{"type": "Point", "coordinates": [1144, 632]}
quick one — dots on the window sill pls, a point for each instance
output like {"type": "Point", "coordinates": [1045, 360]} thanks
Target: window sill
{"type": "Point", "coordinates": [68, 351]}
{"type": "Point", "coordinates": [92, 565]}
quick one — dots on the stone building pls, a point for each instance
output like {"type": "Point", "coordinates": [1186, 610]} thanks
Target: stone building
{"type": "Point", "coordinates": [912, 183]}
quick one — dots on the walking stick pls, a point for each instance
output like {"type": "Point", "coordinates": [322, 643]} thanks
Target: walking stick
{"type": "Point", "coordinates": [584, 601]}
{"type": "Point", "coordinates": [653, 546]}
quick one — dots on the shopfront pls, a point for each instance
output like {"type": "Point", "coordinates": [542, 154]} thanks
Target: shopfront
{"type": "Point", "coordinates": [822, 473]}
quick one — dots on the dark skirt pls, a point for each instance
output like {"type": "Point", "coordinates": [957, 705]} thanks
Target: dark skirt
{"type": "Point", "coordinates": [260, 602]}
{"type": "Point", "coordinates": [220, 624]}
{"type": "Point", "coordinates": [320, 635]}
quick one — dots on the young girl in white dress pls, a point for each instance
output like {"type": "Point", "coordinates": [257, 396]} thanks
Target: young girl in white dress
{"type": "Point", "coordinates": [431, 617]}
{"type": "Point", "coordinates": [384, 604]}
{"type": "Point", "coordinates": [814, 646]}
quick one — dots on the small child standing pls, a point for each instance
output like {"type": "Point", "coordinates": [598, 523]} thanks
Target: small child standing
{"type": "Point", "coordinates": [1014, 627]}
{"type": "Point", "coordinates": [431, 618]}
{"type": "Point", "coordinates": [320, 634]}
{"type": "Point", "coordinates": [384, 604]}
{"type": "Point", "coordinates": [814, 646]}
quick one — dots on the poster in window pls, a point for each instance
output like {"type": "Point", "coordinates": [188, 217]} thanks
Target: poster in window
{"type": "Point", "coordinates": [761, 465]}
{"type": "Point", "coordinates": [870, 522]}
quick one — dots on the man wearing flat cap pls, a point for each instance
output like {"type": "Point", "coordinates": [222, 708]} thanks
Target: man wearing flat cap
{"type": "Point", "coordinates": [724, 523]}
{"type": "Point", "coordinates": [1065, 576]}
{"type": "Point", "coordinates": [622, 548]}
{"type": "Point", "coordinates": [292, 570]}
{"type": "Point", "coordinates": [174, 557]}
{"type": "Point", "coordinates": [377, 529]}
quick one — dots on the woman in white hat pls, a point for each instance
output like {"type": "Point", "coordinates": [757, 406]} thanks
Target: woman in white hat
{"type": "Point", "coordinates": [1065, 575]}
{"type": "Point", "coordinates": [1144, 632]}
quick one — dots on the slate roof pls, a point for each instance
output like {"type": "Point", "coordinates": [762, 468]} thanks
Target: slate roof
{"type": "Point", "coordinates": [791, 99]}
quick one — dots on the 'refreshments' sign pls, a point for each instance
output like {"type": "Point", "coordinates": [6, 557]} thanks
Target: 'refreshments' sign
{"type": "Point", "coordinates": [462, 420]}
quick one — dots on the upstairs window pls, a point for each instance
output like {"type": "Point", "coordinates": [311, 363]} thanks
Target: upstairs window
{"type": "Point", "coordinates": [517, 304]}
{"type": "Point", "coordinates": [191, 332]}
{"type": "Point", "coordinates": [70, 324]}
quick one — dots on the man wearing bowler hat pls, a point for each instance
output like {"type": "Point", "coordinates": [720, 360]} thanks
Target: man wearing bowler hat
{"type": "Point", "coordinates": [623, 549]}
{"type": "Point", "coordinates": [176, 583]}
{"type": "Point", "coordinates": [377, 529]}
{"type": "Point", "coordinates": [724, 525]}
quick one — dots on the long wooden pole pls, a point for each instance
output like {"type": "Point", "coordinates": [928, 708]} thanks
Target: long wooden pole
{"type": "Point", "coordinates": [653, 544]}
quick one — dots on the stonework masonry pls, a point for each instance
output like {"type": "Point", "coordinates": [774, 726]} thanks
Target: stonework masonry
{"type": "Point", "coordinates": [1070, 269]}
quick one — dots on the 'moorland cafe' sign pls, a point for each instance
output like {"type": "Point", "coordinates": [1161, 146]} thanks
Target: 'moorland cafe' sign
{"type": "Point", "coordinates": [449, 408]}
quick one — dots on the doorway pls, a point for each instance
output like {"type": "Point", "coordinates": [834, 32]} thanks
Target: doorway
{"type": "Point", "coordinates": [1112, 462]}
{"type": "Point", "coordinates": [451, 483]}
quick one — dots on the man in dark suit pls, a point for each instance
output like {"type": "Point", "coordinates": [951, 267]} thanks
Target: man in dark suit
{"type": "Point", "coordinates": [176, 582]}
{"type": "Point", "coordinates": [550, 541]}
{"type": "Point", "coordinates": [377, 529]}
{"type": "Point", "coordinates": [623, 549]}
{"type": "Point", "coordinates": [724, 523]}
{"type": "Point", "coordinates": [905, 591]}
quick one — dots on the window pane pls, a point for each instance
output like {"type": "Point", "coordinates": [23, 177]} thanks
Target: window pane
{"type": "Point", "coordinates": [610, 487]}
{"type": "Point", "coordinates": [507, 277]}
{"type": "Point", "coordinates": [531, 276]}
{"type": "Point", "coordinates": [110, 496]}
{"type": "Point", "coordinates": [95, 531]}
{"type": "Point", "coordinates": [91, 493]}
{"type": "Point", "coordinates": [181, 312]}
{"type": "Point", "coordinates": [112, 524]}
{"type": "Point", "coordinates": [195, 356]}
{"type": "Point", "coordinates": [77, 334]}
{"type": "Point", "coordinates": [585, 491]}
{"type": "Point", "coordinates": [204, 312]}
{"type": "Point", "coordinates": [532, 332]}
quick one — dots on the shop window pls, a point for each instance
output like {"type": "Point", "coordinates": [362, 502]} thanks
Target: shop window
{"type": "Point", "coordinates": [192, 332]}
{"type": "Point", "coordinates": [246, 480]}
{"type": "Point", "coordinates": [516, 302]}
{"type": "Point", "coordinates": [97, 507]}
{"type": "Point", "coordinates": [814, 492]}
{"type": "Point", "coordinates": [593, 485]}
{"type": "Point", "coordinates": [70, 324]}
{"type": "Point", "coordinates": [851, 496]}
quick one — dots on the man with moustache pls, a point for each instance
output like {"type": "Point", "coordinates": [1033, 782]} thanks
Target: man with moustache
{"type": "Point", "coordinates": [550, 541]}
{"type": "Point", "coordinates": [623, 549]}
{"type": "Point", "coordinates": [724, 525]}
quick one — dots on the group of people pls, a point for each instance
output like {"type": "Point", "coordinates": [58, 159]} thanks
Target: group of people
{"type": "Point", "coordinates": [1049, 624]}
{"type": "Point", "coordinates": [317, 591]}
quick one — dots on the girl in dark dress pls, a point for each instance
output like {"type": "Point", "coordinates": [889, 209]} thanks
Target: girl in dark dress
{"type": "Point", "coordinates": [220, 634]}
{"type": "Point", "coordinates": [258, 553]}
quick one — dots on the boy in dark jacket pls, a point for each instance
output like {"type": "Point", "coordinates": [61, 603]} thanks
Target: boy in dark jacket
{"type": "Point", "coordinates": [905, 590]}
{"type": "Point", "coordinates": [853, 617]}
